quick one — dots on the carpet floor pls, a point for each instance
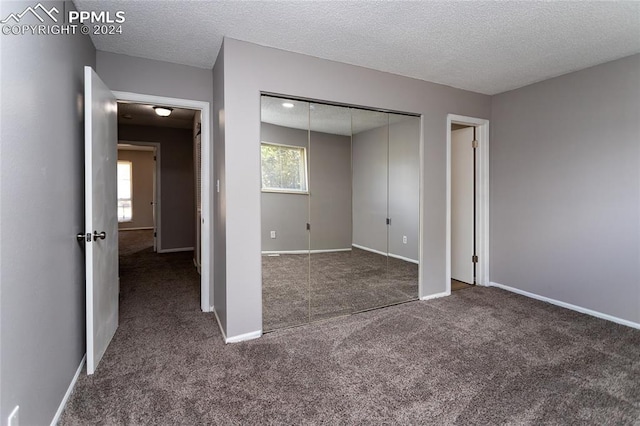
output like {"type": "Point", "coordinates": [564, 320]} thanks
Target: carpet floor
{"type": "Point", "coordinates": [480, 356]}
{"type": "Point", "coordinates": [298, 289]}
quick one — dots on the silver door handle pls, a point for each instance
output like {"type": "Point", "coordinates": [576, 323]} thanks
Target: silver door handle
{"type": "Point", "coordinates": [102, 235]}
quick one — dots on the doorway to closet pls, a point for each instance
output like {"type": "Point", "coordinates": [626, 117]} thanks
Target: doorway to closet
{"type": "Point", "coordinates": [340, 210]}
{"type": "Point", "coordinates": [463, 212]}
{"type": "Point", "coordinates": [467, 242]}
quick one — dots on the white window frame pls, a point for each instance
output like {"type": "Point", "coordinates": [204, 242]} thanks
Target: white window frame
{"type": "Point", "coordinates": [130, 163]}
{"type": "Point", "coordinates": [304, 169]}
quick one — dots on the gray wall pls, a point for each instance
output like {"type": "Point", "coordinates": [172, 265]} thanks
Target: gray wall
{"type": "Point", "coordinates": [328, 209]}
{"type": "Point", "coordinates": [330, 186]}
{"type": "Point", "coordinates": [250, 69]}
{"type": "Point", "coordinates": [177, 184]}
{"type": "Point", "coordinates": [142, 168]}
{"type": "Point", "coordinates": [138, 75]}
{"type": "Point", "coordinates": [42, 317]}
{"type": "Point", "coordinates": [565, 185]}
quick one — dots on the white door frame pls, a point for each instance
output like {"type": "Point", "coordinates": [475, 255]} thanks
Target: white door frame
{"type": "Point", "coordinates": [157, 202]}
{"type": "Point", "coordinates": [206, 304]}
{"type": "Point", "coordinates": [482, 198]}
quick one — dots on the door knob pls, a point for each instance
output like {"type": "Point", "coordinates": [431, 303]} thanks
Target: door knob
{"type": "Point", "coordinates": [102, 235]}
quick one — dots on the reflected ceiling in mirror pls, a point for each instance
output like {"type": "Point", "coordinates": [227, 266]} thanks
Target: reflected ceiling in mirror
{"type": "Point", "coordinates": [324, 118]}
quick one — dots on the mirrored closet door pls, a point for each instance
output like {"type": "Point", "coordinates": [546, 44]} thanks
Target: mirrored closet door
{"type": "Point", "coordinates": [284, 146]}
{"type": "Point", "coordinates": [340, 210]}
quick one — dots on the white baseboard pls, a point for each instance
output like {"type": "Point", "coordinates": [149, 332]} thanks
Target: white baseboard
{"type": "Point", "coordinates": [406, 259]}
{"type": "Point", "coordinates": [175, 250]}
{"type": "Point", "coordinates": [396, 256]}
{"type": "Point", "coordinates": [143, 228]}
{"type": "Point", "coordinates": [56, 418]}
{"type": "Point", "coordinates": [568, 305]}
{"type": "Point", "coordinates": [268, 252]}
{"type": "Point", "coordinates": [239, 338]}
{"type": "Point", "coordinates": [369, 249]}
{"type": "Point", "coordinates": [436, 295]}
{"type": "Point", "coordinates": [242, 337]}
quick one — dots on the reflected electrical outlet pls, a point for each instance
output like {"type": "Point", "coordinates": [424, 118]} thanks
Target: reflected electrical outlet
{"type": "Point", "coordinates": [404, 239]}
{"type": "Point", "coordinates": [273, 234]}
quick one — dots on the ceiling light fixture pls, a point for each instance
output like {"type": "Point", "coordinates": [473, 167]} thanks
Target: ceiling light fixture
{"type": "Point", "coordinates": [163, 111]}
{"type": "Point", "coordinates": [287, 105]}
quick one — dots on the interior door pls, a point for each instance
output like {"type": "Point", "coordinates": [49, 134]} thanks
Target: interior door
{"type": "Point", "coordinates": [101, 233]}
{"type": "Point", "coordinates": [462, 205]}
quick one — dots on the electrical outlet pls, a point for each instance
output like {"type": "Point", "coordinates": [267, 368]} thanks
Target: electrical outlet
{"type": "Point", "coordinates": [273, 234]}
{"type": "Point", "coordinates": [404, 239]}
{"type": "Point", "coordinates": [13, 420]}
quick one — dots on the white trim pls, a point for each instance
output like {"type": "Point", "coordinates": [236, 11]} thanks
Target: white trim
{"type": "Point", "coordinates": [283, 191]}
{"type": "Point", "coordinates": [329, 250]}
{"type": "Point", "coordinates": [406, 259]}
{"type": "Point", "coordinates": [143, 228]}
{"type": "Point", "coordinates": [206, 293]}
{"type": "Point", "coordinates": [421, 260]}
{"type": "Point", "coordinates": [566, 305]}
{"type": "Point", "coordinates": [436, 295]}
{"type": "Point", "coordinates": [242, 337]}
{"type": "Point", "coordinates": [267, 252]}
{"type": "Point", "coordinates": [235, 339]}
{"type": "Point", "coordinates": [176, 250]}
{"type": "Point", "coordinates": [358, 246]}
{"type": "Point", "coordinates": [131, 147]}
{"type": "Point", "coordinates": [396, 256]}
{"type": "Point", "coordinates": [67, 394]}
{"type": "Point", "coordinates": [482, 199]}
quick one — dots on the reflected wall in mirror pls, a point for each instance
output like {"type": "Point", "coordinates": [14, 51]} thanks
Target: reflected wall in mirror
{"type": "Point", "coordinates": [331, 283]}
{"type": "Point", "coordinates": [340, 210]}
{"type": "Point", "coordinates": [404, 206]}
{"type": "Point", "coordinates": [284, 134]}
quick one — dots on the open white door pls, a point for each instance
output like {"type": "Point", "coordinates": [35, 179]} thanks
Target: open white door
{"type": "Point", "coordinates": [101, 224]}
{"type": "Point", "coordinates": [462, 205]}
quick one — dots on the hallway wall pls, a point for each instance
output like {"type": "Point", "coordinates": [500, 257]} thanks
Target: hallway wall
{"type": "Point", "coordinates": [177, 184]}
{"type": "Point", "coordinates": [42, 314]}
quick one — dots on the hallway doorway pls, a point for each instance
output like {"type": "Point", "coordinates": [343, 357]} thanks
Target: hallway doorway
{"type": "Point", "coordinates": [200, 247]}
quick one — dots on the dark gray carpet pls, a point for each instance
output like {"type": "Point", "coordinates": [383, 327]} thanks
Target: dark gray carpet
{"type": "Point", "coordinates": [480, 356]}
{"type": "Point", "coordinates": [297, 289]}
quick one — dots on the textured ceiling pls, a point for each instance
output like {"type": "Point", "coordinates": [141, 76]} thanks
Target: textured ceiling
{"type": "Point", "coordinates": [486, 47]}
{"type": "Point", "coordinates": [144, 115]}
{"type": "Point", "coordinates": [333, 119]}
